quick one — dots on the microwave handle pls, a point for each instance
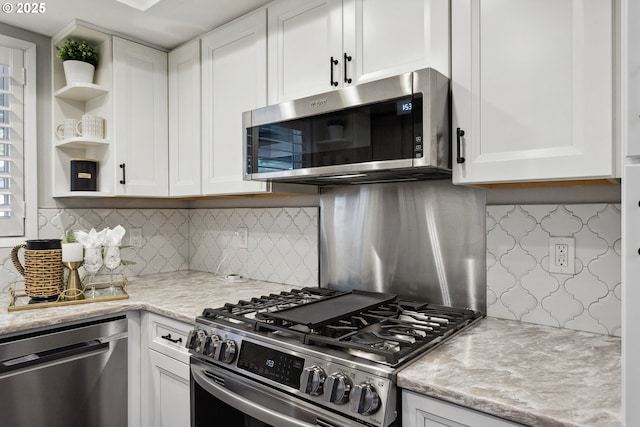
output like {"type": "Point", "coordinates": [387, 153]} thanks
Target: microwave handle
{"type": "Point", "coordinates": [459, 135]}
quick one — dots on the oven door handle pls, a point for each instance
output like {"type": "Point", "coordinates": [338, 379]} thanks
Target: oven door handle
{"type": "Point", "coordinates": [244, 405]}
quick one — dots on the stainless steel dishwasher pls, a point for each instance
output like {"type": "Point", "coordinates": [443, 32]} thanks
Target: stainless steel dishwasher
{"type": "Point", "coordinates": [74, 375]}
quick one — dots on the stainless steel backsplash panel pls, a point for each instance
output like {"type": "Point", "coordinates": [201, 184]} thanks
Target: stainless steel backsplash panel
{"type": "Point", "coordinates": [423, 240]}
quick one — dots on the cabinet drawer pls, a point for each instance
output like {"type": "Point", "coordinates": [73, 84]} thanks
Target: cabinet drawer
{"type": "Point", "coordinates": [168, 336]}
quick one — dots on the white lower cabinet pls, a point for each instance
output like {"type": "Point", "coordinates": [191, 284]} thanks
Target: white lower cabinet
{"type": "Point", "coordinates": [165, 372]}
{"type": "Point", "coordinates": [422, 411]}
{"type": "Point", "coordinates": [170, 380]}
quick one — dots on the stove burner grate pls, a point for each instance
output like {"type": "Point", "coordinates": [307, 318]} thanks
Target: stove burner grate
{"type": "Point", "coordinates": [388, 333]}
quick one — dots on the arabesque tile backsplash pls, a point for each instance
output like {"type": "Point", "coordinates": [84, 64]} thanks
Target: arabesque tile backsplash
{"type": "Point", "coordinates": [519, 285]}
{"type": "Point", "coordinates": [283, 247]}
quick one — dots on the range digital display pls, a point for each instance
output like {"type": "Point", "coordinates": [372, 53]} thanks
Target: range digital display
{"type": "Point", "coordinates": [271, 364]}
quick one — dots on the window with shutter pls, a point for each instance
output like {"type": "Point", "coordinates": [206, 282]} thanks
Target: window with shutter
{"type": "Point", "coordinates": [17, 141]}
{"type": "Point", "coordinates": [11, 142]}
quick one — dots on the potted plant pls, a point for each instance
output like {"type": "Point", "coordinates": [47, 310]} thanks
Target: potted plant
{"type": "Point", "coordinates": [71, 248]}
{"type": "Point", "coordinates": [79, 61]}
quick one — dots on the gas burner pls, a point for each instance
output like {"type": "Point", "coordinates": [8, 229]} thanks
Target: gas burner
{"type": "Point", "coordinates": [366, 338]}
{"type": "Point", "coordinates": [395, 335]}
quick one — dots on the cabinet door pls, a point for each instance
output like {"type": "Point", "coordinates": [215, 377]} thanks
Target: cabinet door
{"type": "Point", "coordinates": [532, 89]}
{"type": "Point", "coordinates": [303, 38]}
{"type": "Point", "coordinates": [184, 120]}
{"type": "Point", "coordinates": [234, 79]}
{"type": "Point", "coordinates": [415, 36]}
{"type": "Point", "coordinates": [140, 111]}
{"type": "Point", "coordinates": [423, 411]}
{"type": "Point", "coordinates": [169, 392]}
{"type": "Point", "coordinates": [630, 274]}
{"type": "Point", "coordinates": [632, 76]}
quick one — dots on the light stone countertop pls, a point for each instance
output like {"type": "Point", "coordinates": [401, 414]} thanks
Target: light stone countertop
{"type": "Point", "coordinates": [526, 373]}
{"type": "Point", "coordinates": [180, 295]}
{"type": "Point", "coordinates": [531, 374]}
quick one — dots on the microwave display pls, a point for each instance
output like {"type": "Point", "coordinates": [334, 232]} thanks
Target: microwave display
{"type": "Point", "coordinates": [367, 133]}
{"type": "Point", "coordinates": [405, 107]}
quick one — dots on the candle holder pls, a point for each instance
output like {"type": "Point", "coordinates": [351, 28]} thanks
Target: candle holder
{"type": "Point", "coordinates": [74, 290]}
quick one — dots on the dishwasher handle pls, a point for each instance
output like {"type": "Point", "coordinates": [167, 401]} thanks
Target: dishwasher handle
{"type": "Point", "coordinates": [49, 357]}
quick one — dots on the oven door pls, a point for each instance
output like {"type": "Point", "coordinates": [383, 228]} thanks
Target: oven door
{"type": "Point", "coordinates": [221, 397]}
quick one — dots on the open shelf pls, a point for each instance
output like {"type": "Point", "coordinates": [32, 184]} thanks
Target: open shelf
{"type": "Point", "coordinates": [81, 91]}
{"type": "Point", "coordinates": [83, 194]}
{"type": "Point", "coordinates": [81, 142]}
{"type": "Point", "coordinates": [72, 101]}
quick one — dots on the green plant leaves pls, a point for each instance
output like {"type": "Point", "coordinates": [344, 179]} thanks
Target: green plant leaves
{"type": "Point", "coordinates": [79, 51]}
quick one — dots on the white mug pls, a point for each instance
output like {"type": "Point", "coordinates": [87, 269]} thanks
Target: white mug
{"type": "Point", "coordinates": [67, 129]}
{"type": "Point", "coordinates": [92, 126]}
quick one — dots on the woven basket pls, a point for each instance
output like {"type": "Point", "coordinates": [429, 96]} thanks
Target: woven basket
{"type": "Point", "coordinates": [43, 272]}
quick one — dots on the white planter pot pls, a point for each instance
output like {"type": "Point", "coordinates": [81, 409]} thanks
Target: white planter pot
{"type": "Point", "coordinates": [78, 72]}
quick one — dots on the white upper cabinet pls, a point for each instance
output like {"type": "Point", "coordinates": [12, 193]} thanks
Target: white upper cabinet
{"type": "Point", "coordinates": [533, 92]}
{"type": "Point", "coordinates": [385, 38]}
{"type": "Point", "coordinates": [631, 77]}
{"type": "Point", "coordinates": [184, 120]}
{"type": "Point", "coordinates": [304, 38]}
{"type": "Point", "coordinates": [319, 45]}
{"type": "Point", "coordinates": [129, 94]}
{"type": "Point", "coordinates": [140, 111]}
{"type": "Point", "coordinates": [234, 80]}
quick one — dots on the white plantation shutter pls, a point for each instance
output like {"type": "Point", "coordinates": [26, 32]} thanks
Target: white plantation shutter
{"type": "Point", "coordinates": [12, 165]}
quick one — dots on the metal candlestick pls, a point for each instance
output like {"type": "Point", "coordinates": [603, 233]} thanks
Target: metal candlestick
{"type": "Point", "coordinates": [74, 290]}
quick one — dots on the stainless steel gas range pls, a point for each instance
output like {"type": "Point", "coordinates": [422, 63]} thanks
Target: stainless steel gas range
{"type": "Point", "coordinates": [311, 357]}
{"type": "Point", "coordinates": [396, 262]}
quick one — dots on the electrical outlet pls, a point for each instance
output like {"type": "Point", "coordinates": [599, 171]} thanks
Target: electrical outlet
{"type": "Point", "coordinates": [562, 255]}
{"type": "Point", "coordinates": [135, 237]}
{"type": "Point", "coordinates": [243, 237]}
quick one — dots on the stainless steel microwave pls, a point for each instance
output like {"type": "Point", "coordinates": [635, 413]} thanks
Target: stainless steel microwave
{"type": "Point", "coordinates": [391, 129]}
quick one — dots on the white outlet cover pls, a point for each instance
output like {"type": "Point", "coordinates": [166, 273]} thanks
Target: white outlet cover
{"type": "Point", "coordinates": [243, 237]}
{"type": "Point", "coordinates": [570, 267]}
{"type": "Point", "coordinates": [135, 237]}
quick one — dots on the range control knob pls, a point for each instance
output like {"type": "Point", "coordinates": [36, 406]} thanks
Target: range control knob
{"type": "Point", "coordinates": [336, 388]}
{"type": "Point", "coordinates": [210, 345]}
{"type": "Point", "coordinates": [364, 399]}
{"type": "Point", "coordinates": [312, 380]}
{"type": "Point", "coordinates": [226, 351]}
{"type": "Point", "coordinates": [195, 340]}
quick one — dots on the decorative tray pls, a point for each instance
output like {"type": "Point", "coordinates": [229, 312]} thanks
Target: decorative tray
{"type": "Point", "coordinates": [98, 291]}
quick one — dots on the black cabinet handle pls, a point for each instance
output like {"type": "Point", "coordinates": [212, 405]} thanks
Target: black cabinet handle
{"type": "Point", "coordinates": [168, 338]}
{"type": "Point", "coordinates": [331, 64]}
{"type": "Point", "coordinates": [124, 176]}
{"type": "Point", "coordinates": [347, 58]}
{"type": "Point", "coordinates": [459, 134]}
